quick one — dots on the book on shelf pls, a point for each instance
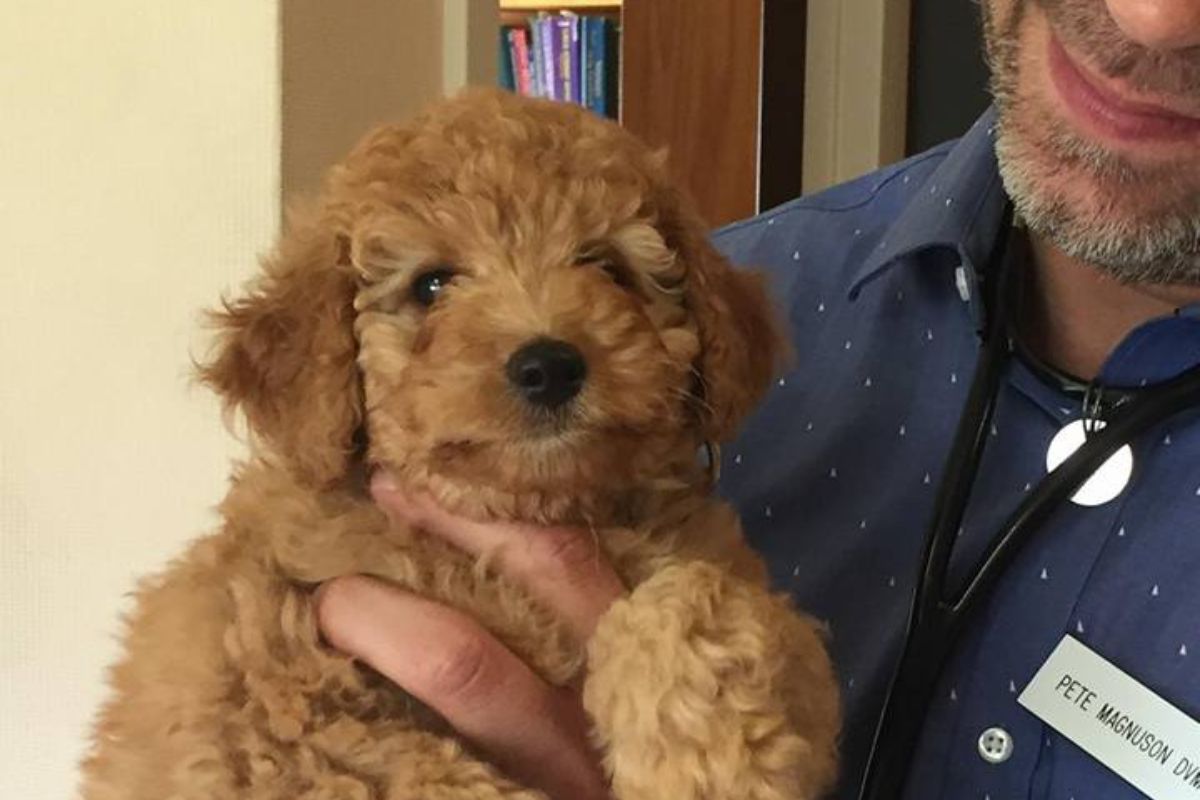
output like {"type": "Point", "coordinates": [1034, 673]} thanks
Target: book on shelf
{"type": "Point", "coordinates": [535, 61]}
{"type": "Point", "coordinates": [567, 62]}
{"type": "Point", "coordinates": [547, 35]}
{"type": "Point", "coordinates": [596, 44]}
{"type": "Point", "coordinates": [507, 70]}
{"type": "Point", "coordinates": [566, 56]}
{"type": "Point", "coordinates": [516, 43]}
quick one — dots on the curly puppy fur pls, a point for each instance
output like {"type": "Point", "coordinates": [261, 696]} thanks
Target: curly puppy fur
{"type": "Point", "coordinates": [554, 223]}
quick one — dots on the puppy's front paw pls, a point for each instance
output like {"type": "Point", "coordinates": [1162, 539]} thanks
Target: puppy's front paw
{"type": "Point", "coordinates": [703, 686]}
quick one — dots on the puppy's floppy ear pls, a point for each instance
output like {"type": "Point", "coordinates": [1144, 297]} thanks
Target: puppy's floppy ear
{"type": "Point", "coordinates": [286, 355]}
{"type": "Point", "coordinates": [740, 337]}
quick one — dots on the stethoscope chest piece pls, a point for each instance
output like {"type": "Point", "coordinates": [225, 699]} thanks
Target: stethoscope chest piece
{"type": "Point", "coordinates": [1107, 482]}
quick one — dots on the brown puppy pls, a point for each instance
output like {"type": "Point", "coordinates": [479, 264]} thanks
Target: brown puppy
{"type": "Point", "coordinates": [506, 304]}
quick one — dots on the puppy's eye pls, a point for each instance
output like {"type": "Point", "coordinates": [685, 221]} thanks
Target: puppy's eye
{"type": "Point", "coordinates": [428, 285]}
{"type": "Point", "coordinates": [609, 260]}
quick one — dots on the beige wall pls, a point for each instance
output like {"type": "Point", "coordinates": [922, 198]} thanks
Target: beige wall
{"type": "Point", "coordinates": [352, 64]}
{"type": "Point", "coordinates": [142, 154]}
{"type": "Point", "coordinates": [138, 179]}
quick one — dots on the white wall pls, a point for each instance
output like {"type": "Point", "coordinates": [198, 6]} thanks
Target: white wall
{"type": "Point", "coordinates": [138, 179]}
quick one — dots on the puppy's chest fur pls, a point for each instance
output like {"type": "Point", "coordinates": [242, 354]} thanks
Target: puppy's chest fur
{"type": "Point", "coordinates": [295, 539]}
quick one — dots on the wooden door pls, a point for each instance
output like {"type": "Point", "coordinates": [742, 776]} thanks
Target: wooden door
{"type": "Point", "coordinates": [690, 81]}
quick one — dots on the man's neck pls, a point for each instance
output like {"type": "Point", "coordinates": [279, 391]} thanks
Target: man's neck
{"type": "Point", "coordinates": [1073, 315]}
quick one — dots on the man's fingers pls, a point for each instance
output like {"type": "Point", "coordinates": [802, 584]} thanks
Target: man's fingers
{"type": "Point", "coordinates": [535, 732]}
{"type": "Point", "coordinates": [436, 653]}
{"type": "Point", "coordinates": [562, 567]}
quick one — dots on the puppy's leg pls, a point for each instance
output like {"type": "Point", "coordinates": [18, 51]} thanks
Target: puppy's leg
{"type": "Point", "coordinates": [705, 687]}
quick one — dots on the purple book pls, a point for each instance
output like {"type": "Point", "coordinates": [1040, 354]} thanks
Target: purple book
{"type": "Point", "coordinates": [547, 33]}
{"type": "Point", "coordinates": [567, 57]}
{"type": "Point", "coordinates": [537, 80]}
{"type": "Point", "coordinates": [574, 58]}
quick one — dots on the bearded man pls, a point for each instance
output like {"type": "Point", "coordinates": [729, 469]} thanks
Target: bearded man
{"type": "Point", "coordinates": [1094, 142]}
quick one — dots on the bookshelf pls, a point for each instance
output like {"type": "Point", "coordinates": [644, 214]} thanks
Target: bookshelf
{"type": "Point", "coordinates": [551, 5]}
{"type": "Point", "coordinates": [568, 53]}
{"type": "Point", "coordinates": [719, 83]}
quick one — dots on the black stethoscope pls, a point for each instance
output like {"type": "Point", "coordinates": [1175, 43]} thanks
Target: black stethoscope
{"type": "Point", "coordinates": [936, 618]}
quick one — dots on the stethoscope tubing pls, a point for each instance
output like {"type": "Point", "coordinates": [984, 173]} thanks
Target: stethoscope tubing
{"type": "Point", "coordinates": [936, 621]}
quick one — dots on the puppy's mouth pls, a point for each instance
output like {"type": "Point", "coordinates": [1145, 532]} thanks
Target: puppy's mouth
{"type": "Point", "coordinates": [546, 437]}
{"type": "Point", "coordinates": [563, 426]}
{"type": "Point", "coordinates": [540, 461]}
{"type": "Point", "coordinates": [544, 452]}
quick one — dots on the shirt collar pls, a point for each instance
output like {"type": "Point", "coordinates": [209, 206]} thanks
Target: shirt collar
{"type": "Point", "coordinates": [959, 208]}
{"type": "Point", "coordinates": [1156, 351]}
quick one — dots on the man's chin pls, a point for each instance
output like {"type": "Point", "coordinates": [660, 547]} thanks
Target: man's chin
{"type": "Point", "coordinates": [1136, 228]}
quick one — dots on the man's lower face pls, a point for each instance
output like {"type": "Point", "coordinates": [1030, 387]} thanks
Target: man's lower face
{"type": "Point", "coordinates": [1099, 138]}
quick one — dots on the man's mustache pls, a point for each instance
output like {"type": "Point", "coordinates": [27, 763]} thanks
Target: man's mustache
{"type": "Point", "coordinates": [1087, 28]}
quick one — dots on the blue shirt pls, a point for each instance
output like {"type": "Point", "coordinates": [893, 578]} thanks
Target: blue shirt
{"type": "Point", "coordinates": [835, 476]}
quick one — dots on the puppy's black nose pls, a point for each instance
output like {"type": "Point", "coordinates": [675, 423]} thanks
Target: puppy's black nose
{"type": "Point", "coordinates": [547, 372]}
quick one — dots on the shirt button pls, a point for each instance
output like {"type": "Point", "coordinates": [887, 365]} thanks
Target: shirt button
{"type": "Point", "coordinates": [963, 283]}
{"type": "Point", "coordinates": [995, 745]}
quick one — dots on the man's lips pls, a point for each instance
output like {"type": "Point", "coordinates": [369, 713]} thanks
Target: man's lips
{"type": "Point", "coordinates": [1111, 114]}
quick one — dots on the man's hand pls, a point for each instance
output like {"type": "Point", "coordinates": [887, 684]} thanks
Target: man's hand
{"type": "Point", "coordinates": [535, 732]}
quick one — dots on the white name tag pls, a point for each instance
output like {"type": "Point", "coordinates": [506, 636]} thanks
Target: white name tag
{"type": "Point", "coordinates": [1116, 720]}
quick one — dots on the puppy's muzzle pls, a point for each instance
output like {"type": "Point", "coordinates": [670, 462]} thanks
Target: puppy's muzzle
{"type": "Point", "coordinates": [547, 373]}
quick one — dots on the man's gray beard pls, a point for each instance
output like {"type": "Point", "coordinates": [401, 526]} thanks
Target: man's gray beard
{"type": "Point", "coordinates": [1159, 249]}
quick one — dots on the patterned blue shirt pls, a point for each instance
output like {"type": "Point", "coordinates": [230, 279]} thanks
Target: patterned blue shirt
{"type": "Point", "coordinates": [835, 477]}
